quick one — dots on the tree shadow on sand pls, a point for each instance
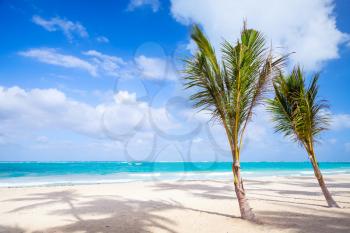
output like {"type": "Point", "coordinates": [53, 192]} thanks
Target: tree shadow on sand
{"type": "Point", "coordinates": [118, 215]}
{"type": "Point", "coordinates": [311, 191]}
{"type": "Point", "coordinates": [106, 214]}
{"type": "Point", "coordinates": [310, 223]}
{"type": "Point", "coordinates": [7, 229]}
{"type": "Point", "coordinates": [109, 214]}
{"type": "Point", "coordinates": [312, 182]}
{"type": "Point", "coordinates": [221, 191]}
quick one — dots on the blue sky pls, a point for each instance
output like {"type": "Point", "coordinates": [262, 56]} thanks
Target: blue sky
{"type": "Point", "coordinates": [86, 80]}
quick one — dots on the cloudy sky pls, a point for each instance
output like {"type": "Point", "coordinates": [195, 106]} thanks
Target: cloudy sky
{"type": "Point", "coordinates": [86, 80]}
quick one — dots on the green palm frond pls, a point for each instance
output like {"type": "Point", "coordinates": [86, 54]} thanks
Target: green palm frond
{"type": "Point", "coordinates": [231, 88]}
{"type": "Point", "coordinates": [297, 112]}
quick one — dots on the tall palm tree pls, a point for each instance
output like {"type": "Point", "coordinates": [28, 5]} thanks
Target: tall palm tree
{"type": "Point", "coordinates": [299, 114]}
{"type": "Point", "coordinates": [230, 87]}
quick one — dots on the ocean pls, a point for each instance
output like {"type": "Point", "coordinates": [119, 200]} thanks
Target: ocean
{"type": "Point", "coordinates": [17, 174]}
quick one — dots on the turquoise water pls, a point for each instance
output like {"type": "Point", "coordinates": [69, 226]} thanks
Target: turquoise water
{"type": "Point", "coordinates": [50, 173]}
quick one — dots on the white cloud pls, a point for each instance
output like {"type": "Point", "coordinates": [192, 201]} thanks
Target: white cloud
{"type": "Point", "coordinates": [155, 68]}
{"type": "Point", "coordinates": [39, 109]}
{"type": "Point", "coordinates": [340, 121]}
{"type": "Point", "coordinates": [27, 115]}
{"type": "Point", "coordinates": [125, 97]}
{"type": "Point", "coordinates": [102, 39]}
{"type": "Point", "coordinates": [305, 27]}
{"type": "Point", "coordinates": [107, 64]}
{"type": "Point", "coordinates": [68, 28]}
{"type": "Point", "coordinates": [53, 57]}
{"type": "Point", "coordinates": [97, 63]}
{"type": "Point", "coordinates": [154, 4]}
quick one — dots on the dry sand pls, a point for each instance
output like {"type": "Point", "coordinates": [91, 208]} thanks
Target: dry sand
{"type": "Point", "coordinates": [289, 204]}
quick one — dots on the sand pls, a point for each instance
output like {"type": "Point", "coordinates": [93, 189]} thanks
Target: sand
{"type": "Point", "coordinates": [285, 204]}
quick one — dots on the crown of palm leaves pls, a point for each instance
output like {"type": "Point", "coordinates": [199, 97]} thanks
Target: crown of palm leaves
{"type": "Point", "coordinates": [231, 87]}
{"type": "Point", "coordinates": [297, 112]}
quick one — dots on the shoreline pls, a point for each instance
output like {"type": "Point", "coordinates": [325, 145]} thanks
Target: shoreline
{"type": "Point", "coordinates": [48, 181]}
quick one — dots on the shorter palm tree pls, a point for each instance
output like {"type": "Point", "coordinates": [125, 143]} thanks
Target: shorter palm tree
{"type": "Point", "coordinates": [298, 114]}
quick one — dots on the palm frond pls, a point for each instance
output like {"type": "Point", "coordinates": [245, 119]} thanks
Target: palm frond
{"type": "Point", "coordinates": [297, 111]}
{"type": "Point", "coordinates": [232, 88]}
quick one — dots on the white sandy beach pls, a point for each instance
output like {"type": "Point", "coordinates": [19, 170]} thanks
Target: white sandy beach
{"type": "Point", "coordinates": [286, 204]}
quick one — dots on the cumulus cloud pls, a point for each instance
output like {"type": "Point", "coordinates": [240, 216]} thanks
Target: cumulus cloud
{"type": "Point", "coordinates": [154, 4]}
{"type": "Point", "coordinates": [109, 65]}
{"type": "Point", "coordinates": [27, 110]}
{"type": "Point", "coordinates": [68, 27]}
{"type": "Point", "coordinates": [30, 114]}
{"type": "Point", "coordinates": [155, 68]}
{"type": "Point", "coordinates": [125, 97]}
{"type": "Point", "coordinates": [97, 63]}
{"type": "Point", "coordinates": [340, 121]}
{"type": "Point", "coordinates": [307, 28]}
{"type": "Point", "coordinates": [53, 57]}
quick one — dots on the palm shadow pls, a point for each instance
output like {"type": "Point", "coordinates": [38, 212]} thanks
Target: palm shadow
{"type": "Point", "coordinates": [106, 213]}
{"type": "Point", "coordinates": [305, 195]}
{"type": "Point", "coordinates": [311, 223]}
{"type": "Point", "coordinates": [8, 229]}
{"type": "Point", "coordinates": [221, 192]}
{"type": "Point", "coordinates": [118, 214]}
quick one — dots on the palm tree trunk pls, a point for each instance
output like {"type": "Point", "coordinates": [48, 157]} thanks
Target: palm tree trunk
{"type": "Point", "coordinates": [246, 212]}
{"type": "Point", "coordinates": [331, 202]}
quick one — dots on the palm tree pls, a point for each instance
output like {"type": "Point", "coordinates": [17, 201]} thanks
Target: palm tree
{"type": "Point", "coordinates": [230, 88]}
{"type": "Point", "coordinates": [297, 113]}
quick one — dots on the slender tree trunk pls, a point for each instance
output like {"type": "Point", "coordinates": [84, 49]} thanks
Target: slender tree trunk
{"type": "Point", "coordinates": [246, 212]}
{"type": "Point", "coordinates": [331, 202]}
